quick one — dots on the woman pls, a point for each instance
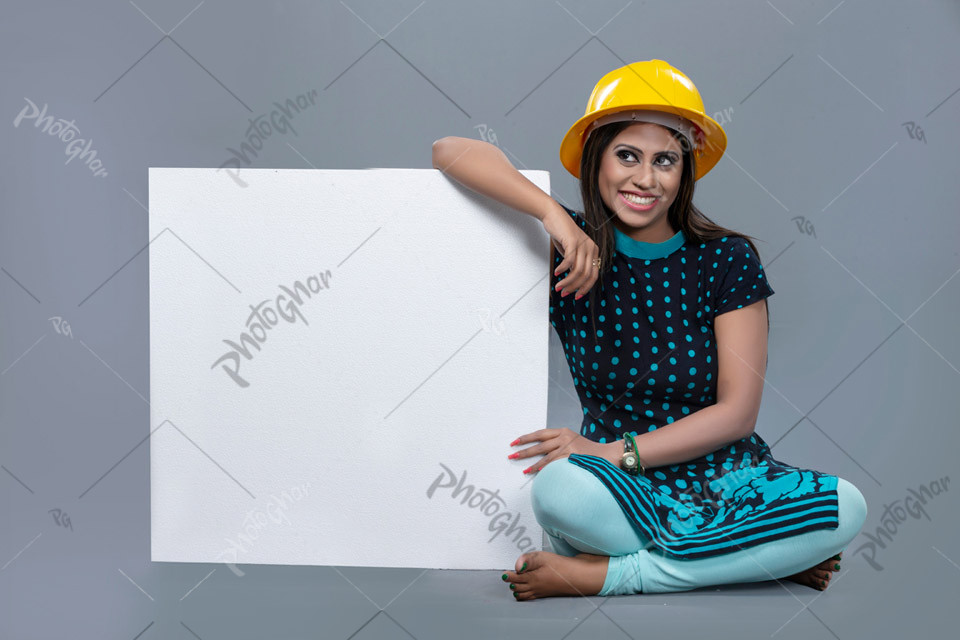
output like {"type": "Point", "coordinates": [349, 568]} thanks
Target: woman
{"type": "Point", "coordinates": [667, 346]}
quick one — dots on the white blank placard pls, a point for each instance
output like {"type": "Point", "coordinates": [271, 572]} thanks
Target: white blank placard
{"type": "Point", "coordinates": [325, 347]}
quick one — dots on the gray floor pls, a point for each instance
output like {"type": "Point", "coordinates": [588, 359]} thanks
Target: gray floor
{"type": "Point", "coordinates": [94, 600]}
{"type": "Point", "coordinates": [842, 124]}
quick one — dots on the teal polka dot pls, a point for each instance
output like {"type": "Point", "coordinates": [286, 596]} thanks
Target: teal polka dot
{"type": "Point", "coordinates": [635, 331]}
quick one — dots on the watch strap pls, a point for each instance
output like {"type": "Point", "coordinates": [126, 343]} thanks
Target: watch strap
{"type": "Point", "coordinates": [630, 445]}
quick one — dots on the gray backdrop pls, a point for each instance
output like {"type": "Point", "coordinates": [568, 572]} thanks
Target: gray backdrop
{"type": "Point", "coordinates": [842, 121]}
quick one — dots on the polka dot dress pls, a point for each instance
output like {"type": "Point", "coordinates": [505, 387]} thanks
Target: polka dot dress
{"type": "Point", "coordinates": [652, 361]}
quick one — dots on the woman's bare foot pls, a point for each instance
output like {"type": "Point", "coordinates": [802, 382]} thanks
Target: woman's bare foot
{"type": "Point", "coordinates": [550, 574]}
{"type": "Point", "coordinates": [818, 577]}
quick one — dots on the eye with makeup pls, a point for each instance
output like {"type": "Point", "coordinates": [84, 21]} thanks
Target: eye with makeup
{"type": "Point", "coordinates": [669, 157]}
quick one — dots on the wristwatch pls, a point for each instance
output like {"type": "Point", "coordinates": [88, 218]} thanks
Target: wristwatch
{"type": "Point", "coordinates": [630, 461]}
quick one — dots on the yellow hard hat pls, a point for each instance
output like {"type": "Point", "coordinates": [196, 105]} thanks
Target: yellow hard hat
{"type": "Point", "coordinates": [648, 91]}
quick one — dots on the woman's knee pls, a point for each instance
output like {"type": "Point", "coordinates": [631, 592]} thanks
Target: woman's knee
{"type": "Point", "coordinates": [557, 490]}
{"type": "Point", "coordinates": [546, 494]}
{"type": "Point", "coordinates": [852, 507]}
{"type": "Point", "coordinates": [572, 503]}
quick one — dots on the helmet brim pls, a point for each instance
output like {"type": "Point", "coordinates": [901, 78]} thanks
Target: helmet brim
{"type": "Point", "coordinates": [715, 139]}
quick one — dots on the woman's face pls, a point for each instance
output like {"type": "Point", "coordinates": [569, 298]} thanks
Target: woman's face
{"type": "Point", "coordinates": [643, 160]}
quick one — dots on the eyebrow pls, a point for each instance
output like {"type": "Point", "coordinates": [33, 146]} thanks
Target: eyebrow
{"type": "Point", "coordinates": [638, 150]}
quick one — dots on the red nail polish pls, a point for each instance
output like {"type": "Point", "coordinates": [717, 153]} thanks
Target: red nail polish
{"type": "Point", "coordinates": [513, 455]}
{"type": "Point", "coordinates": [515, 442]}
{"type": "Point", "coordinates": [526, 470]}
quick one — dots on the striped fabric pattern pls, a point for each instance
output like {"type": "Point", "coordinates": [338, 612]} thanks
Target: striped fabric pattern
{"type": "Point", "coordinates": [759, 504]}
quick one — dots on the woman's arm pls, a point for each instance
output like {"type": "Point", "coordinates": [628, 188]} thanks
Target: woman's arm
{"type": "Point", "coordinates": [741, 338]}
{"type": "Point", "coordinates": [483, 167]}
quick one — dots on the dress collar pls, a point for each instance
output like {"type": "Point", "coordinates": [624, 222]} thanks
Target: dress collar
{"type": "Point", "coordinates": [648, 250]}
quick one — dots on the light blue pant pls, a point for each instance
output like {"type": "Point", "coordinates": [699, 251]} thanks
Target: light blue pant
{"type": "Point", "coordinates": [580, 515]}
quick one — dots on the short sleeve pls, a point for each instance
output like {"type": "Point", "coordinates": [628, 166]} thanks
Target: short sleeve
{"type": "Point", "coordinates": [559, 305]}
{"type": "Point", "coordinates": [742, 280]}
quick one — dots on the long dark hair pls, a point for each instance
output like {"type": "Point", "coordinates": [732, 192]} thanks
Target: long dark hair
{"type": "Point", "coordinates": [683, 214]}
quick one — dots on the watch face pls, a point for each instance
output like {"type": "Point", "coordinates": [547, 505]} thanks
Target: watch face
{"type": "Point", "coordinates": [630, 460]}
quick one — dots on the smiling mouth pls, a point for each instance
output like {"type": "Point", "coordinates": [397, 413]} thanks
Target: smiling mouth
{"type": "Point", "coordinates": [638, 200]}
{"type": "Point", "coordinates": [641, 200]}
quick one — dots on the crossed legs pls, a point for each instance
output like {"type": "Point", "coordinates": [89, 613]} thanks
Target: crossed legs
{"type": "Point", "coordinates": [579, 515]}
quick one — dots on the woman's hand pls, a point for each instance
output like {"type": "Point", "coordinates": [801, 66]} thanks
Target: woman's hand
{"type": "Point", "coordinates": [555, 443]}
{"type": "Point", "coordinates": [578, 251]}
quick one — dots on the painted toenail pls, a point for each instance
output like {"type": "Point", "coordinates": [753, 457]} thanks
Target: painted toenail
{"type": "Point", "coordinates": [522, 568]}
{"type": "Point", "coordinates": [837, 567]}
{"type": "Point", "coordinates": [504, 577]}
{"type": "Point", "coordinates": [513, 587]}
{"type": "Point", "coordinates": [836, 557]}
{"type": "Point", "coordinates": [822, 583]}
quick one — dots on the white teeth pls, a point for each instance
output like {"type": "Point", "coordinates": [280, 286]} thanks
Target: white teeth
{"type": "Point", "coordinates": [638, 199]}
